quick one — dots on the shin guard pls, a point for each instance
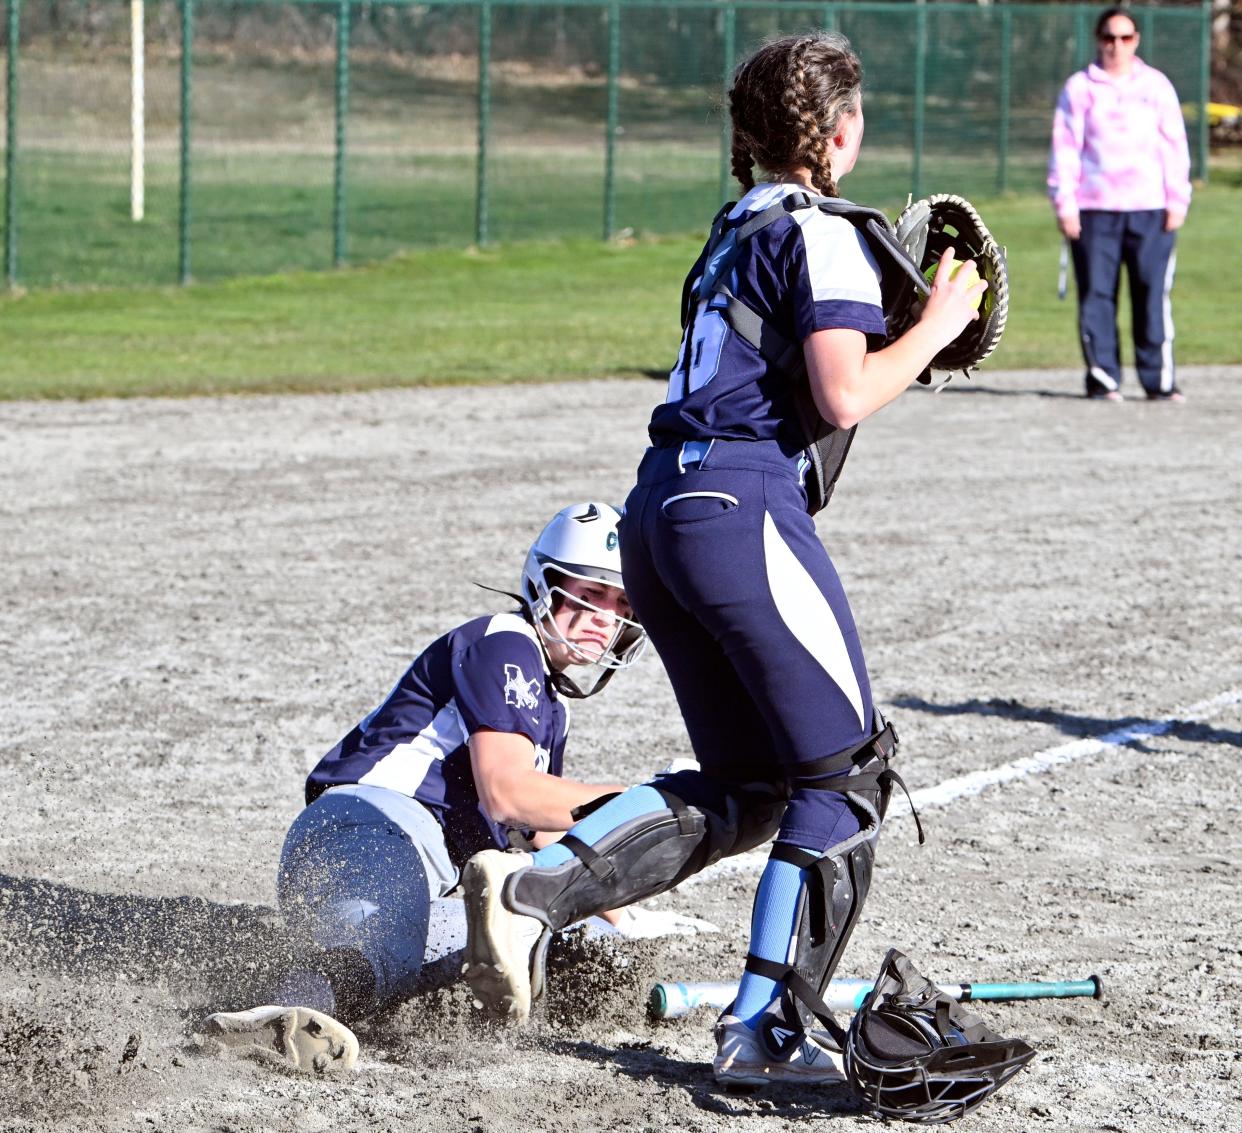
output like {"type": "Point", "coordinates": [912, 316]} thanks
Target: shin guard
{"type": "Point", "coordinates": [706, 820]}
{"type": "Point", "coordinates": [836, 886]}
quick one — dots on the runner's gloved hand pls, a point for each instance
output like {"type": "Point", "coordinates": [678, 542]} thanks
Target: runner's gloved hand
{"type": "Point", "coordinates": [636, 923]}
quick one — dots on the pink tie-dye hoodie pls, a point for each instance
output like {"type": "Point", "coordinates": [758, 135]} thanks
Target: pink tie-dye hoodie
{"type": "Point", "coordinates": [1119, 144]}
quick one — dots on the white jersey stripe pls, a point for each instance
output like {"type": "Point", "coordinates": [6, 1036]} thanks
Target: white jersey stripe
{"type": "Point", "coordinates": [404, 768]}
{"type": "Point", "coordinates": [806, 612]}
{"type": "Point", "coordinates": [837, 251]}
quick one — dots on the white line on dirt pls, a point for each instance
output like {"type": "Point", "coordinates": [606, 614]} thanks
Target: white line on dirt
{"type": "Point", "coordinates": [962, 786]}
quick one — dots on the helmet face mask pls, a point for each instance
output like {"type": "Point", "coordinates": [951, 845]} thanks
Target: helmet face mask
{"type": "Point", "coordinates": [915, 1054]}
{"type": "Point", "coordinates": [617, 653]}
{"type": "Point", "coordinates": [580, 543]}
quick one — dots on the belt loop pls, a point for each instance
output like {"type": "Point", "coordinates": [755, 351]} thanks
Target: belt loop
{"type": "Point", "coordinates": [692, 452]}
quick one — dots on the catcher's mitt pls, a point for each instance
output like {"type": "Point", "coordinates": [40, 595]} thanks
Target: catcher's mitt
{"type": "Point", "coordinates": [925, 229]}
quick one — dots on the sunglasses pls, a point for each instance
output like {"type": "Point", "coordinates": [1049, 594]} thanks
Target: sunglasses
{"type": "Point", "coordinates": [1128, 38]}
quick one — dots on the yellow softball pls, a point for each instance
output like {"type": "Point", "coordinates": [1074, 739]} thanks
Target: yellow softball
{"type": "Point", "coordinates": [972, 277]}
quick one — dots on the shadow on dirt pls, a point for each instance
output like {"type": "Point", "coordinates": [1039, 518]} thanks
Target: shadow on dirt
{"type": "Point", "coordinates": [972, 387]}
{"type": "Point", "coordinates": [645, 1062]}
{"type": "Point", "coordinates": [1080, 727]}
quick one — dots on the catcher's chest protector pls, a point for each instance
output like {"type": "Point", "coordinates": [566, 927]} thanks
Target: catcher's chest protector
{"type": "Point", "coordinates": [825, 446]}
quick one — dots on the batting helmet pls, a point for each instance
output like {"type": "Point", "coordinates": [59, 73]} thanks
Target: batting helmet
{"type": "Point", "coordinates": [580, 542]}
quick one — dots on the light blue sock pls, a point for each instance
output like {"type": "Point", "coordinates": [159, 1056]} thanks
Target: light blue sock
{"type": "Point", "coordinates": [633, 803]}
{"type": "Point", "coordinates": [771, 929]}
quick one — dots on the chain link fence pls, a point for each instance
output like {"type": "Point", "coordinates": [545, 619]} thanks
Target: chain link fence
{"type": "Point", "coordinates": [261, 137]}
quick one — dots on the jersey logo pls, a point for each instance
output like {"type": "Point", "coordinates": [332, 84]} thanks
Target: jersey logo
{"type": "Point", "coordinates": [520, 692]}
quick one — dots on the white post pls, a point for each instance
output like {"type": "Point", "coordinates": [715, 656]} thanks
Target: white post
{"type": "Point", "coordinates": [137, 117]}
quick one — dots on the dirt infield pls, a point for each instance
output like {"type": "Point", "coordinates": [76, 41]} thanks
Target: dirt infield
{"type": "Point", "coordinates": [198, 598]}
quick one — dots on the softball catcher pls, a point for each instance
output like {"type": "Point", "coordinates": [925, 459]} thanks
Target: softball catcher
{"type": "Point", "coordinates": [800, 319]}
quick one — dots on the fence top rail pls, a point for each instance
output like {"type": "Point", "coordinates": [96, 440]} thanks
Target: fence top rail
{"type": "Point", "coordinates": [1193, 10]}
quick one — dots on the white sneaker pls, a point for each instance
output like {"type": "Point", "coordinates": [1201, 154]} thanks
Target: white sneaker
{"type": "Point", "coordinates": [306, 1039]}
{"type": "Point", "coordinates": [742, 1058]}
{"type": "Point", "coordinates": [499, 942]}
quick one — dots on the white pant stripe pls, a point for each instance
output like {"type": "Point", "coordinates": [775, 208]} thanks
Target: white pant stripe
{"type": "Point", "coordinates": [1167, 374]}
{"type": "Point", "coordinates": [806, 612]}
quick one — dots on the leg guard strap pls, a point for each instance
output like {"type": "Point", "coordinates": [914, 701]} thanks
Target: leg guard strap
{"type": "Point", "coordinates": [598, 865]}
{"type": "Point", "coordinates": [879, 748]}
{"type": "Point", "coordinates": [795, 987]}
{"type": "Point", "coordinates": [866, 770]}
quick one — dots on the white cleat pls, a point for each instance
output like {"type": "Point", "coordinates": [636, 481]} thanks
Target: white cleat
{"type": "Point", "coordinates": [742, 1058]}
{"type": "Point", "coordinates": [305, 1039]}
{"type": "Point", "coordinates": [499, 942]}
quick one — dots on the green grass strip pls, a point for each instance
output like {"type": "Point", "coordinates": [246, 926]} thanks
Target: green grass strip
{"type": "Point", "coordinates": [521, 312]}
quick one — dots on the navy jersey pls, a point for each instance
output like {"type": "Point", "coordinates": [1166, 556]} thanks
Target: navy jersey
{"type": "Point", "coordinates": [488, 673]}
{"type": "Point", "coordinates": [805, 272]}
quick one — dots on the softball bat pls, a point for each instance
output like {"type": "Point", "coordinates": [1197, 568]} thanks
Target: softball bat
{"type": "Point", "coordinates": [670, 1000]}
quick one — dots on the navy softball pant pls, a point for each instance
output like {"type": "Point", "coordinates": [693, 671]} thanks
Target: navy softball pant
{"type": "Point", "coordinates": [1138, 241]}
{"type": "Point", "coordinates": [739, 597]}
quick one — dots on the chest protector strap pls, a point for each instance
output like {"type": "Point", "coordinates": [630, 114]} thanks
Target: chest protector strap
{"type": "Point", "coordinates": [825, 447]}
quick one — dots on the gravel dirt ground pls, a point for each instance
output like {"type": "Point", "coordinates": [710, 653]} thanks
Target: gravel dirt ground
{"type": "Point", "coordinates": [198, 598]}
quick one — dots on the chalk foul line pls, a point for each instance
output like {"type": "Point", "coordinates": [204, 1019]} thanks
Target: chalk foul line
{"type": "Point", "coordinates": [963, 786]}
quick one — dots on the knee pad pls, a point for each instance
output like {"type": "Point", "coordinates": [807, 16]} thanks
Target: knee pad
{"type": "Point", "coordinates": [706, 820]}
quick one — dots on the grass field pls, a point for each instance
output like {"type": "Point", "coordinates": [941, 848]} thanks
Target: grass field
{"type": "Point", "coordinates": [525, 311]}
{"type": "Point", "coordinates": [545, 298]}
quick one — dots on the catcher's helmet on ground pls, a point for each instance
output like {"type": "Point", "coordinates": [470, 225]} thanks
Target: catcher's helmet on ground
{"type": "Point", "coordinates": [581, 542]}
{"type": "Point", "coordinates": [915, 1054]}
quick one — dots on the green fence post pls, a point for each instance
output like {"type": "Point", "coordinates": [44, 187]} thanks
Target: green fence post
{"type": "Point", "coordinates": [183, 220]}
{"type": "Point", "coordinates": [828, 19]}
{"type": "Point", "coordinates": [920, 95]}
{"type": "Point", "coordinates": [1203, 139]}
{"type": "Point", "coordinates": [1082, 45]}
{"type": "Point", "coordinates": [10, 147]}
{"type": "Point", "coordinates": [485, 121]}
{"type": "Point", "coordinates": [729, 50]}
{"type": "Point", "coordinates": [342, 113]}
{"type": "Point", "coordinates": [610, 138]}
{"type": "Point", "coordinates": [1006, 85]}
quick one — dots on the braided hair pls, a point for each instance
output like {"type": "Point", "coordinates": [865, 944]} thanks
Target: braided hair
{"type": "Point", "coordinates": [787, 102]}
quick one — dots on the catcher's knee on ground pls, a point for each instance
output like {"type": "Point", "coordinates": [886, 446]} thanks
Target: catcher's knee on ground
{"type": "Point", "coordinates": [705, 820]}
